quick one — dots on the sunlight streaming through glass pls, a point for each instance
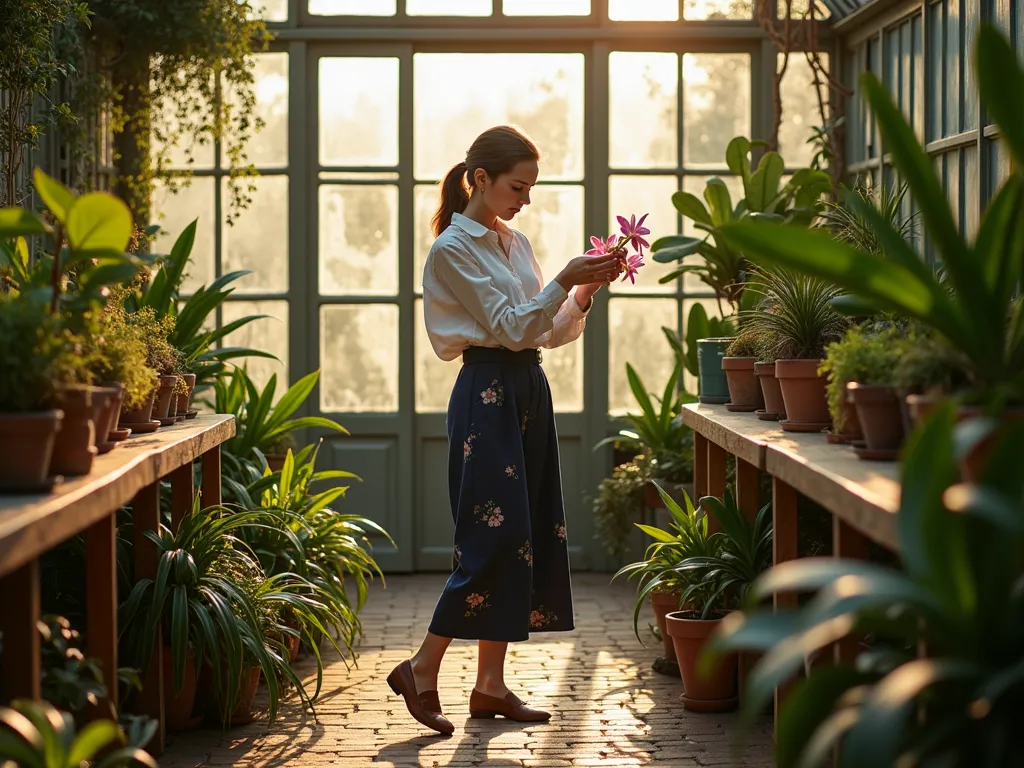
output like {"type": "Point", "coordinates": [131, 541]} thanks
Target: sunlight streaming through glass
{"type": "Point", "coordinates": [643, 10]}
{"type": "Point", "coordinates": [258, 241]}
{"type": "Point", "coordinates": [175, 211]}
{"type": "Point", "coordinates": [643, 84]}
{"type": "Point", "coordinates": [800, 8]}
{"type": "Point", "coordinates": [716, 105]}
{"type": "Point", "coordinates": [628, 195]}
{"type": "Point", "coordinates": [183, 153]}
{"type": "Point", "coordinates": [546, 7]}
{"type": "Point", "coordinates": [800, 112]}
{"type": "Point", "coordinates": [352, 7]}
{"type": "Point", "coordinates": [271, 10]}
{"type": "Point", "coordinates": [268, 334]}
{"type": "Point", "coordinates": [358, 239]}
{"type": "Point", "coordinates": [425, 199]}
{"type": "Point", "coordinates": [359, 355]}
{"type": "Point", "coordinates": [540, 92]}
{"type": "Point", "coordinates": [635, 337]}
{"type": "Point", "coordinates": [715, 10]}
{"type": "Point", "coordinates": [448, 7]}
{"type": "Point", "coordinates": [358, 108]}
{"type": "Point", "coordinates": [434, 377]}
{"type": "Point", "coordinates": [269, 147]}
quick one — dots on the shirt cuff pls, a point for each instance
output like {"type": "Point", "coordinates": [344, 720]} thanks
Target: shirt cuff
{"type": "Point", "coordinates": [551, 297]}
{"type": "Point", "coordinates": [574, 308]}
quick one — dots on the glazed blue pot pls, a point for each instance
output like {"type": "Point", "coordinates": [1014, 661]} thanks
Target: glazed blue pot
{"type": "Point", "coordinates": [713, 384]}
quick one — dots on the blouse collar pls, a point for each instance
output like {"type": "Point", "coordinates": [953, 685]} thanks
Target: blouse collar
{"type": "Point", "coordinates": [475, 228]}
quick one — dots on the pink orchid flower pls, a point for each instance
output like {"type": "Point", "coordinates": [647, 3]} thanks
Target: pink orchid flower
{"type": "Point", "coordinates": [602, 247]}
{"type": "Point", "coordinates": [633, 230]}
{"type": "Point", "coordinates": [632, 235]}
{"type": "Point", "coordinates": [633, 265]}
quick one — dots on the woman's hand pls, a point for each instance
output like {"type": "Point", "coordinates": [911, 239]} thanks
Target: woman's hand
{"type": "Point", "coordinates": [587, 270]}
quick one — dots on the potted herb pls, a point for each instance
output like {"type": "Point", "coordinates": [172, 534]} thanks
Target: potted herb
{"type": "Point", "coordinates": [738, 364]}
{"type": "Point", "coordinates": [659, 577]}
{"type": "Point", "coordinates": [797, 316]}
{"type": "Point", "coordinates": [124, 361]}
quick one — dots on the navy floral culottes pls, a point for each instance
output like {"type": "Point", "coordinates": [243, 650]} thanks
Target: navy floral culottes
{"type": "Point", "coordinates": [511, 573]}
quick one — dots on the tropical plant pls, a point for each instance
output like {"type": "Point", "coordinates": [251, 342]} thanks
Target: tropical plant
{"type": "Point", "coordinates": [869, 358]}
{"type": "Point", "coordinates": [739, 553]}
{"type": "Point", "coordinates": [795, 315]}
{"type": "Point", "coordinates": [724, 267]}
{"type": "Point", "coordinates": [960, 595]}
{"type": "Point", "coordinates": [660, 571]}
{"type": "Point", "coordinates": [619, 504]}
{"type": "Point", "coordinates": [698, 326]}
{"type": "Point", "coordinates": [36, 735]}
{"type": "Point", "coordinates": [976, 308]}
{"type": "Point", "coordinates": [260, 425]}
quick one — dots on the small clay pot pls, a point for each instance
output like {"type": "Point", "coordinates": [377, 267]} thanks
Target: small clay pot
{"type": "Point", "coordinates": [664, 603]}
{"type": "Point", "coordinates": [140, 415]}
{"type": "Point", "coordinates": [878, 410]}
{"type": "Point", "coordinates": [106, 404]}
{"type": "Point", "coordinates": [178, 704]}
{"type": "Point", "coordinates": [744, 390]}
{"type": "Point", "coordinates": [165, 397]}
{"type": "Point", "coordinates": [74, 448]}
{"type": "Point", "coordinates": [185, 400]}
{"type": "Point", "coordinates": [715, 692]}
{"type": "Point", "coordinates": [803, 392]}
{"type": "Point", "coordinates": [770, 388]}
{"type": "Point", "coordinates": [26, 449]}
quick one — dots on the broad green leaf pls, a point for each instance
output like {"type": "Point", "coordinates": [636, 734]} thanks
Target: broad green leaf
{"type": "Point", "coordinates": [737, 157]}
{"type": "Point", "coordinates": [719, 201]}
{"type": "Point", "coordinates": [18, 222]}
{"type": "Point", "coordinates": [57, 197]}
{"type": "Point", "coordinates": [764, 183]}
{"type": "Point", "coordinates": [293, 399]}
{"type": "Point", "coordinates": [99, 221]}
{"type": "Point", "coordinates": [674, 247]}
{"type": "Point", "coordinates": [94, 737]}
{"type": "Point", "coordinates": [691, 207]}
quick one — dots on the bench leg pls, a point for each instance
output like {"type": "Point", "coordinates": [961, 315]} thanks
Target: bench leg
{"type": "Point", "coordinates": [211, 478]}
{"type": "Point", "coordinates": [101, 604]}
{"type": "Point", "coordinates": [182, 492]}
{"type": "Point", "coordinates": [19, 612]}
{"type": "Point", "coordinates": [700, 467]}
{"type": "Point", "coordinates": [146, 516]}
{"type": "Point", "coordinates": [784, 545]}
{"type": "Point", "coordinates": [748, 486]}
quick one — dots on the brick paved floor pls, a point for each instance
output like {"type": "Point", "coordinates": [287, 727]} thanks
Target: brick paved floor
{"type": "Point", "coordinates": [610, 708]}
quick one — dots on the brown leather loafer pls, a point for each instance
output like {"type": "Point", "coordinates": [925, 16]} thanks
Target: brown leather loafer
{"type": "Point", "coordinates": [512, 707]}
{"type": "Point", "coordinates": [426, 706]}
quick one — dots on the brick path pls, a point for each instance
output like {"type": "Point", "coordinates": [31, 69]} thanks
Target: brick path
{"type": "Point", "coordinates": [610, 708]}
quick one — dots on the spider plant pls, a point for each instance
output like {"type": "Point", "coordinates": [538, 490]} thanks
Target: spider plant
{"type": "Point", "coordinates": [960, 594]}
{"type": "Point", "coordinates": [34, 734]}
{"type": "Point", "coordinates": [848, 224]}
{"type": "Point", "coordinates": [740, 552]}
{"type": "Point", "coordinates": [795, 317]}
{"type": "Point", "coordinates": [977, 308]}
{"type": "Point", "coordinates": [659, 571]}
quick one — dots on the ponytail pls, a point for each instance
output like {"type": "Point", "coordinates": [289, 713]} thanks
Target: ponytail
{"type": "Point", "coordinates": [454, 198]}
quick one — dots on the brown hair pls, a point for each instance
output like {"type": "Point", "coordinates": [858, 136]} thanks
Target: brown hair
{"type": "Point", "coordinates": [496, 151]}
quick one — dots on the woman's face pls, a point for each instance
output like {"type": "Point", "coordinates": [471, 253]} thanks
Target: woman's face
{"type": "Point", "coordinates": [506, 195]}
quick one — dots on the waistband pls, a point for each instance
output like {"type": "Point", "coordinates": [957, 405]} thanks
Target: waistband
{"type": "Point", "coordinates": [501, 355]}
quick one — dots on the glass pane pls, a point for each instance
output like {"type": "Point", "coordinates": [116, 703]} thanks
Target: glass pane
{"type": "Point", "coordinates": [425, 202]}
{"type": "Point", "coordinates": [268, 148]}
{"type": "Point", "coordinates": [546, 7]}
{"type": "Point", "coordinates": [643, 10]}
{"type": "Point", "coordinates": [269, 334]}
{"type": "Point", "coordinates": [359, 358]}
{"type": "Point", "coordinates": [696, 185]}
{"type": "Point", "coordinates": [637, 195]}
{"type": "Point", "coordinates": [358, 108]}
{"type": "Point", "coordinates": [553, 222]}
{"type": "Point", "coordinates": [713, 310]}
{"type": "Point", "coordinates": [258, 240]}
{"type": "Point", "coordinates": [448, 7]}
{"type": "Point", "coordinates": [358, 239]}
{"type": "Point", "coordinates": [356, 176]}
{"type": "Point", "coordinates": [434, 377]}
{"type": "Point", "coordinates": [352, 7]}
{"type": "Point", "coordinates": [635, 337]}
{"type": "Point", "coordinates": [271, 10]}
{"type": "Point", "coordinates": [541, 92]}
{"type": "Point", "coordinates": [643, 84]}
{"type": "Point", "coordinates": [183, 153]}
{"type": "Point", "coordinates": [175, 211]}
{"type": "Point", "coordinates": [800, 8]}
{"type": "Point", "coordinates": [716, 105]}
{"type": "Point", "coordinates": [564, 369]}
{"type": "Point", "coordinates": [800, 113]}
{"type": "Point", "coordinates": [717, 9]}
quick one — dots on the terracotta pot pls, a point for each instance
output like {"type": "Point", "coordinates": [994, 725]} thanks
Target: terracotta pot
{"type": "Point", "coordinates": [141, 415]}
{"type": "Point", "coordinates": [293, 644]}
{"type": "Point", "coordinates": [276, 463]}
{"type": "Point", "coordinates": [803, 392]}
{"type": "Point", "coordinates": [178, 706]}
{"type": "Point", "coordinates": [919, 407]}
{"type": "Point", "coordinates": [744, 390]}
{"type": "Point", "coordinates": [74, 448]}
{"type": "Point", "coordinates": [105, 405]}
{"type": "Point", "coordinates": [184, 399]}
{"type": "Point", "coordinates": [26, 449]}
{"type": "Point", "coordinates": [851, 429]}
{"type": "Point", "coordinates": [972, 464]}
{"type": "Point", "coordinates": [770, 388]}
{"type": "Point", "coordinates": [716, 692]}
{"type": "Point", "coordinates": [164, 396]}
{"type": "Point", "coordinates": [246, 696]}
{"type": "Point", "coordinates": [664, 603]}
{"type": "Point", "coordinates": [878, 410]}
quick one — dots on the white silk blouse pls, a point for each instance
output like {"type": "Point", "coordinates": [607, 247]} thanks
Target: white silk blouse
{"type": "Point", "coordinates": [473, 296]}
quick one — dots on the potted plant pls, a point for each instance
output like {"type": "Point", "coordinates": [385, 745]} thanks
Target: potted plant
{"type": "Point", "coordinates": [740, 357]}
{"type": "Point", "coordinates": [958, 705]}
{"type": "Point", "coordinates": [771, 390]}
{"type": "Point", "coordinates": [620, 503]}
{"type": "Point", "coordinates": [660, 580]}
{"type": "Point", "coordinates": [796, 315]}
{"type": "Point", "coordinates": [124, 362]}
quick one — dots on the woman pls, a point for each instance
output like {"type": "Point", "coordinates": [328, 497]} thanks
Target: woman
{"type": "Point", "coordinates": [484, 299]}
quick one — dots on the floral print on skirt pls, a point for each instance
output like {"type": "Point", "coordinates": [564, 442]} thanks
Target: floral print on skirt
{"type": "Point", "coordinates": [511, 569]}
